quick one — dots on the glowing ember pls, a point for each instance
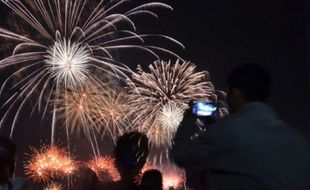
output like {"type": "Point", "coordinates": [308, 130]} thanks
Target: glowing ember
{"type": "Point", "coordinates": [172, 180]}
{"type": "Point", "coordinates": [48, 163]}
{"type": "Point", "coordinates": [104, 168]}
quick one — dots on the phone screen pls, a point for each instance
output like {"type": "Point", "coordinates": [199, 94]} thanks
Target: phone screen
{"type": "Point", "coordinates": [204, 109]}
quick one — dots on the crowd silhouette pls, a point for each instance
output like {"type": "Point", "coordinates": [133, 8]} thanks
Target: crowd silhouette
{"type": "Point", "coordinates": [251, 149]}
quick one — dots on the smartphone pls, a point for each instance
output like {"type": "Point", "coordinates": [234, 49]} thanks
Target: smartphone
{"type": "Point", "coordinates": [204, 109]}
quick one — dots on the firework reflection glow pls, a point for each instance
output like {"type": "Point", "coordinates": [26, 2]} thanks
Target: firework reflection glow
{"type": "Point", "coordinates": [50, 162]}
{"type": "Point", "coordinates": [104, 167]}
{"type": "Point", "coordinates": [172, 180]}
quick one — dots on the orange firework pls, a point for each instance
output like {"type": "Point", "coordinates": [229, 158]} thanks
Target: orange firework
{"type": "Point", "coordinates": [148, 166]}
{"type": "Point", "coordinates": [53, 186]}
{"type": "Point", "coordinates": [104, 167]}
{"type": "Point", "coordinates": [50, 162]}
{"type": "Point", "coordinates": [145, 168]}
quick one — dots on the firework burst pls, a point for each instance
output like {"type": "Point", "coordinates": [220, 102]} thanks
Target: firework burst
{"type": "Point", "coordinates": [68, 62]}
{"type": "Point", "coordinates": [112, 117]}
{"type": "Point", "coordinates": [154, 96]}
{"type": "Point", "coordinates": [64, 46]}
{"type": "Point", "coordinates": [92, 109]}
{"type": "Point", "coordinates": [104, 168]}
{"type": "Point", "coordinates": [170, 117]}
{"type": "Point", "coordinates": [48, 163]}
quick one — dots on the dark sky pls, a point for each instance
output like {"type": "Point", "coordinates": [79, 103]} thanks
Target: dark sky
{"type": "Point", "coordinates": [221, 34]}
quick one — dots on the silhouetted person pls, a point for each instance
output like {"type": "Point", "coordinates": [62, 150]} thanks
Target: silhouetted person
{"type": "Point", "coordinates": [152, 180]}
{"type": "Point", "coordinates": [84, 179]}
{"type": "Point", "coordinates": [131, 152]}
{"type": "Point", "coordinates": [249, 150]}
{"type": "Point", "coordinates": [7, 166]}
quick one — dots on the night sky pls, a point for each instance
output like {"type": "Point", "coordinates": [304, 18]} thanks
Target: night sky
{"type": "Point", "coordinates": [221, 34]}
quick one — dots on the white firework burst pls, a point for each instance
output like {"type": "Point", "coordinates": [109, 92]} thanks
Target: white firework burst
{"type": "Point", "coordinates": [170, 118]}
{"type": "Point", "coordinates": [150, 94]}
{"type": "Point", "coordinates": [67, 39]}
{"type": "Point", "coordinates": [68, 62]}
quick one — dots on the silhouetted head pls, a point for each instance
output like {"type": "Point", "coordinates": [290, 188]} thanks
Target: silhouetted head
{"type": "Point", "coordinates": [131, 152]}
{"type": "Point", "coordinates": [7, 159]}
{"type": "Point", "coordinates": [247, 83]}
{"type": "Point", "coordinates": [84, 178]}
{"type": "Point", "coordinates": [152, 180]}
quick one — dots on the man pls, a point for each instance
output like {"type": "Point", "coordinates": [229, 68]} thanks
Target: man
{"type": "Point", "coordinates": [131, 152]}
{"type": "Point", "coordinates": [249, 150]}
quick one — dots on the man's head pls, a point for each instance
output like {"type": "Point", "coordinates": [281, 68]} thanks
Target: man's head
{"type": "Point", "coordinates": [131, 152]}
{"type": "Point", "coordinates": [247, 83]}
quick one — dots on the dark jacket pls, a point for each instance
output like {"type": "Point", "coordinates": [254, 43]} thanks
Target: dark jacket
{"type": "Point", "coordinates": [250, 150]}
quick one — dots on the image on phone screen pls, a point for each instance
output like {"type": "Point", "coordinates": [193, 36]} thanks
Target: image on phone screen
{"type": "Point", "coordinates": [204, 109]}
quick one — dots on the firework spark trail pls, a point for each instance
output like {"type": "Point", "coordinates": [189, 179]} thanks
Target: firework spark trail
{"type": "Point", "coordinates": [53, 186]}
{"type": "Point", "coordinates": [112, 117]}
{"type": "Point", "coordinates": [166, 84]}
{"type": "Point", "coordinates": [48, 163]}
{"type": "Point", "coordinates": [104, 168]}
{"type": "Point", "coordinates": [93, 109]}
{"type": "Point", "coordinates": [75, 108]}
{"type": "Point", "coordinates": [66, 46]}
{"type": "Point", "coordinates": [170, 117]}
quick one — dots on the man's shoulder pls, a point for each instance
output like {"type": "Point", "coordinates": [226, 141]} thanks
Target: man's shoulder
{"type": "Point", "coordinates": [251, 113]}
{"type": "Point", "coordinates": [251, 117]}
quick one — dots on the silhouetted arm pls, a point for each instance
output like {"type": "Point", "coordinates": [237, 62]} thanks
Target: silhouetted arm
{"type": "Point", "coordinates": [191, 147]}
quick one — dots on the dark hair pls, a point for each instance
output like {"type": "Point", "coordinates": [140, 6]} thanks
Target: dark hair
{"type": "Point", "coordinates": [152, 179]}
{"type": "Point", "coordinates": [7, 160]}
{"type": "Point", "coordinates": [252, 80]}
{"type": "Point", "coordinates": [131, 151]}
